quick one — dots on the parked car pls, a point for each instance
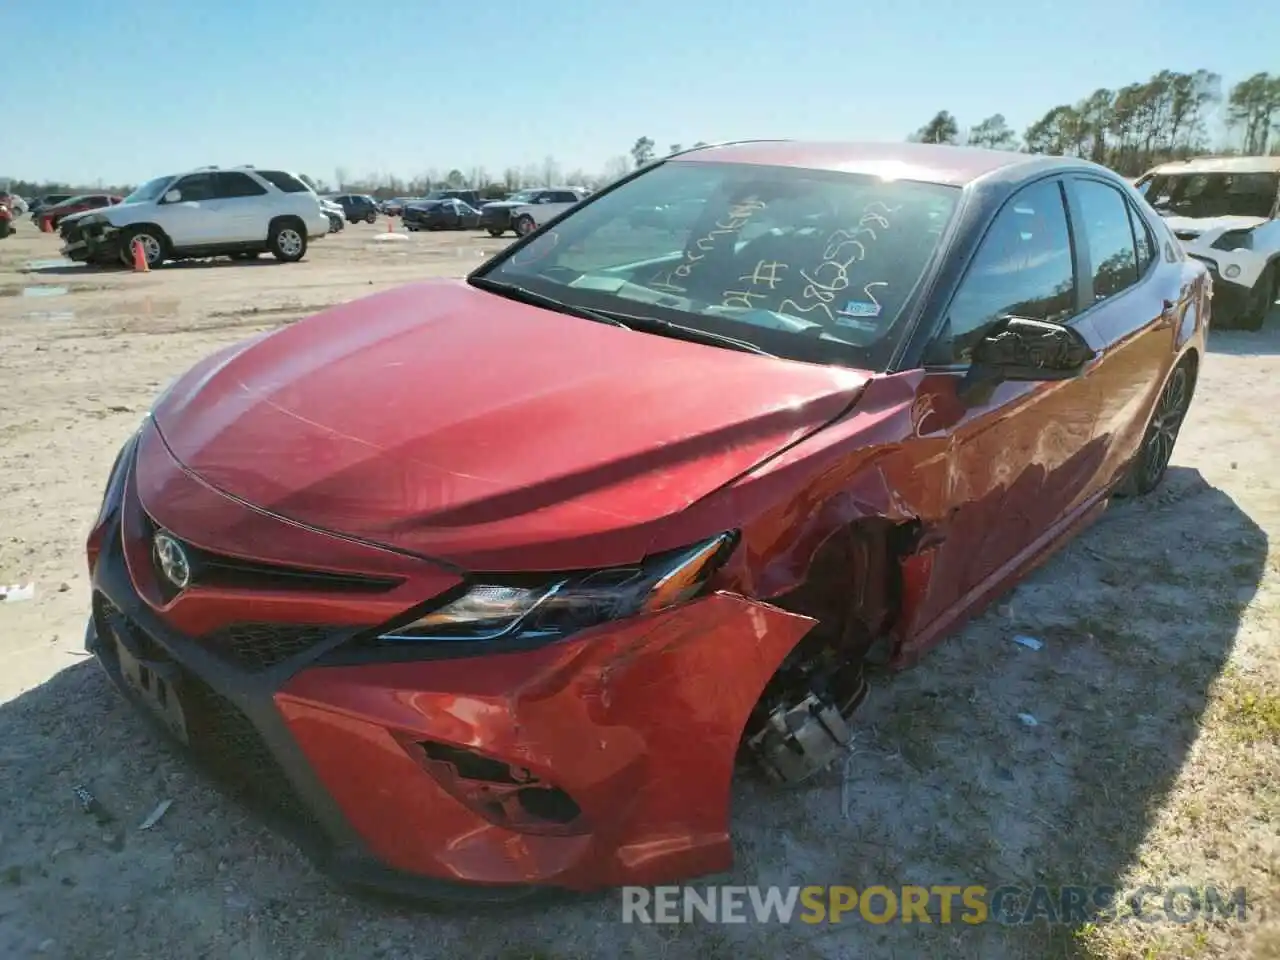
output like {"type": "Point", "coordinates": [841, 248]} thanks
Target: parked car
{"type": "Point", "coordinates": [526, 561]}
{"type": "Point", "coordinates": [471, 198]}
{"type": "Point", "coordinates": [447, 214]}
{"type": "Point", "coordinates": [1226, 213]}
{"type": "Point", "coordinates": [48, 200]}
{"type": "Point", "coordinates": [337, 218]}
{"type": "Point", "coordinates": [395, 206]}
{"type": "Point", "coordinates": [241, 212]}
{"type": "Point", "coordinates": [527, 209]}
{"type": "Point", "coordinates": [358, 207]}
{"type": "Point", "coordinates": [16, 205]}
{"type": "Point", "coordinates": [48, 218]}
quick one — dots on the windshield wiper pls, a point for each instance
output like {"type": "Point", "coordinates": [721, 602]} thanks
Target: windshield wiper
{"type": "Point", "coordinates": [681, 332]}
{"type": "Point", "coordinates": [532, 297]}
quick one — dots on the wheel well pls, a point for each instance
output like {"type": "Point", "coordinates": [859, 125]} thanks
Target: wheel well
{"type": "Point", "coordinates": [149, 227]}
{"type": "Point", "coordinates": [1192, 359]}
{"type": "Point", "coordinates": [288, 219]}
{"type": "Point", "coordinates": [853, 588]}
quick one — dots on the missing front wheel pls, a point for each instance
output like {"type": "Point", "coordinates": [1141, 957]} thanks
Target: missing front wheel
{"type": "Point", "coordinates": [806, 727]}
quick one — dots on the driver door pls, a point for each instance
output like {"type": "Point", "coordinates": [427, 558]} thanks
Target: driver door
{"type": "Point", "coordinates": [188, 221]}
{"type": "Point", "coordinates": [1018, 457]}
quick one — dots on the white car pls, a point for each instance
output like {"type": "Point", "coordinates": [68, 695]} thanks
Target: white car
{"type": "Point", "coordinates": [240, 212]}
{"type": "Point", "coordinates": [527, 210]}
{"type": "Point", "coordinates": [1226, 212]}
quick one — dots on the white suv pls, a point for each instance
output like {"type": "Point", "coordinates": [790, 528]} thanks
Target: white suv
{"type": "Point", "coordinates": [241, 212]}
{"type": "Point", "coordinates": [1226, 212]}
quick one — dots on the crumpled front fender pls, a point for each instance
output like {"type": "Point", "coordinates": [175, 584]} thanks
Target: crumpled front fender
{"type": "Point", "coordinates": [639, 723]}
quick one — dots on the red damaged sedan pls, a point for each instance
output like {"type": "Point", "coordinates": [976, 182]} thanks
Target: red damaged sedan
{"type": "Point", "coordinates": [488, 585]}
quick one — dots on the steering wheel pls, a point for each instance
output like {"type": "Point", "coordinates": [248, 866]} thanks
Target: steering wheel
{"type": "Point", "coordinates": [558, 271]}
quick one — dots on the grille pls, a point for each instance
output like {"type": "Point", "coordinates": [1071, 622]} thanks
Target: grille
{"type": "Point", "coordinates": [260, 646]}
{"type": "Point", "coordinates": [216, 569]}
{"type": "Point", "coordinates": [222, 738]}
{"type": "Point", "coordinates": [229, 745]}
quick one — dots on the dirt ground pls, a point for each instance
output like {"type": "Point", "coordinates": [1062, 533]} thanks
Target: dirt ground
{"type": "Point", "coordinates": [1153, 759]}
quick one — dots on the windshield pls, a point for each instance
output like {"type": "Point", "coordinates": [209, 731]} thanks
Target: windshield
{"type": "Point", "coordinates": [523, 196]}
{"type": "Point", "coordinates": [805, 264]}
{"type": "Point", "coordinates": [1213, 194]}
{"type": "Point", "coordinates": [149, 191]}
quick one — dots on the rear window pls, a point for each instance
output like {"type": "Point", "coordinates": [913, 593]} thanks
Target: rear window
{"type": "Point", "coordinates": [285, 182]}
{"type": "Point", "coordinates": [1213, 194]}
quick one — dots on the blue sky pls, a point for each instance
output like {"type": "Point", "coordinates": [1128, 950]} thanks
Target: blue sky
{"type": "Point", "coordinates": [122, 91]}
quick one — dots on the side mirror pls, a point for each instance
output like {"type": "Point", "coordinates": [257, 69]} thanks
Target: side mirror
{"type": "Point", "coordinates": [1018, 348]}
{"type": "Point", "coordinates": [173, 196]}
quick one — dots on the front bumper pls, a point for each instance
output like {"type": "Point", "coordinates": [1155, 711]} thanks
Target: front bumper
{"type": "Point", "coordinates": [639, 723]}
{"type": "Point", "coordinates": [1232, 269]}
{"type": "Point", "coordinates": [93, 241]}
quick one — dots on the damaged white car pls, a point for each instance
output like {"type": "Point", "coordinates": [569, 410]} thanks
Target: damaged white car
{"type": "Point", "coordinates": [1226, 212]}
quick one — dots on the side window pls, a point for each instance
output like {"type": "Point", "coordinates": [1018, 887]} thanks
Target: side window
{"type": "Point", "coordinates": [196, 186]}
{"type": "Point", "coordinates": [1109, 237]}
{"type": "Point", "coordinates": [564, 196]}
{"type": "Point", "coordinates": [1023, 267]}
{"type": "Point", "coordinates": [285, 182]}
{"type": "Point", "coordinates": [1143, 241]}
{"type": "Point", "coordinates": [230, 185]}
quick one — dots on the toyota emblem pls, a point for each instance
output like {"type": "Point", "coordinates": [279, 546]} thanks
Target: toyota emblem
{"type": "Point", "coordinates": [172, 560]}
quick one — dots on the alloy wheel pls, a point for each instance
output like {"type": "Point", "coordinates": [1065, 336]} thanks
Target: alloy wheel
{"type": "Point", "coordinates": [1162, 434]}
{"type": "Point", "coordinates": [289, 241]}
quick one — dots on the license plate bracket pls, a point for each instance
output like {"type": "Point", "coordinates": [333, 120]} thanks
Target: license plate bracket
{"type": "Point", "coordinates": [156, 685]}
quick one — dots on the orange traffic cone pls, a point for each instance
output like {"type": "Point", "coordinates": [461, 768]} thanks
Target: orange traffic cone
{"type": "Point", "coordinates": [391, 224]}
{"type": "Point", "coordinates": [139, 258]}
{"type": "Point", "coordinates": [46, 225]}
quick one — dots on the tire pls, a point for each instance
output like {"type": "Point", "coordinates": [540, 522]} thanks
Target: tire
{"type": "Point", "coordinates": [287, 241]}
{"type": "Point", "coordinates": [154, 245]}
{"type": "Point", "coordinates": [524, 225]}
{"type": "Point", "coordinates": [371, 218]}
{"type": "Point", "coordinates": [1152, 461]}
{"type": "Point", "coordinates": [1258, 302]}
{"type": "Point", "coordinates": [496, 233]}
{"type": "Point", "coordinates": [5, 229]}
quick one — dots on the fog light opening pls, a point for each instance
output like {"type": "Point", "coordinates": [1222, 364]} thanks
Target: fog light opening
{"type": "Point", "coordinates": [509, 796]}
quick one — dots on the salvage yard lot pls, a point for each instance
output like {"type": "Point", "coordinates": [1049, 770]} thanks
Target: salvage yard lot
{"type": "Point", "coordinates": [1153, 759]}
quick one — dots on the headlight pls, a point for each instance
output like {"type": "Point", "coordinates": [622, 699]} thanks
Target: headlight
{"type": "Point", "coordinates": [561, 605]}
{"type": "Point", "coordinates": [1234, 240]}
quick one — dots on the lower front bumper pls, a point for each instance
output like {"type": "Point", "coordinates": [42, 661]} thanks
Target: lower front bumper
{"type": "Point", "coordinates": [1229, 296]}
{"type": "Point", "coordinates": [638, 722]}
{"type": "Point", "coordinates": [243, 743]}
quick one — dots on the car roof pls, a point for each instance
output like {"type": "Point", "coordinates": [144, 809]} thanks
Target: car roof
{"type": "Point", "coordinates": [928, 162]}
{"type": "Point", "coordinates": [1221, 165]}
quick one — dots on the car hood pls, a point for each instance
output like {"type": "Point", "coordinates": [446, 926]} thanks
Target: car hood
{"type": "Point", "coordinates": [1198, 225]}
{"type": "Point", "coordinates": [451, 422]}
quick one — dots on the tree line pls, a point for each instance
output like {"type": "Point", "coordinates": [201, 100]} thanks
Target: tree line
{"type": "Point", "coordinates": [1139, 125]}
{"type": "Point", "coordinates": [1129, 129]}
